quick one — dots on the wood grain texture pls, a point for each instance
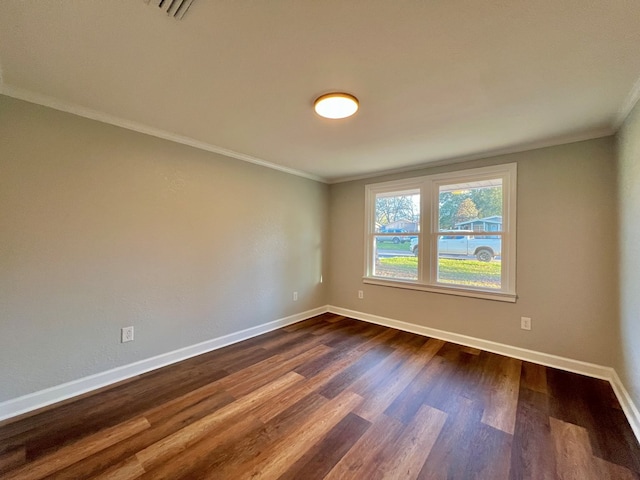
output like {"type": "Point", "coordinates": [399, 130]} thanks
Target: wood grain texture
{"type": "Point", "coordinates": [280, 455]}
{"type": "Point", "coordinates": [187, 436]}
{"type": "Point", "coordinates": [575, 459]}
{"type": "Point", "coordinates": [502, 385]}
{"type": "Point", "coordinates": [533, 456]}
{"type": "Point", "coordinates": [332, 398]}
{"type": "Point", "coordinates": [322, 457]}
{"type": "Point", "coordinates": [452, 451]}
{"type": "Point", "coordinates": [70, 454]}
{"type": "Point", "coordinates": [407, 456]}
{"type": "Point", "coordinates": [364, 458]}
{"type": "Point", "coordinates": [12, 458]}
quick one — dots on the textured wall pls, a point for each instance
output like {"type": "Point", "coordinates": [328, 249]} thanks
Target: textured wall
{"type": "Point", "coordinates": [628, 361]}
{"type": "Point", "coordinates": [102, 228]}
{"type": "Point", "coordinates": [566, 258]}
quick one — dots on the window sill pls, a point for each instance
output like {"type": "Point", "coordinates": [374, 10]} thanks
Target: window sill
{"type": "Point", "coordinates": [461, 292]}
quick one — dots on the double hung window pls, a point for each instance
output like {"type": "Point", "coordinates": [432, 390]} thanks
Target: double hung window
{"type": "Point", "coordinates": [450, 233]}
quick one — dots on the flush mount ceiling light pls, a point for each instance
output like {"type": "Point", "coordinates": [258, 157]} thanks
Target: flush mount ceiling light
{"type": "Point", "coordinates": [336, 105]}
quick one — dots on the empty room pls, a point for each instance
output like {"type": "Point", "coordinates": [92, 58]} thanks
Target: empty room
{"type": "Point", "coordinates": [320, 240]}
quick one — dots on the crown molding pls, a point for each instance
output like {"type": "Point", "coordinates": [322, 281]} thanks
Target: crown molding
{"type": "Point", "coordinates": [63, 106]}
{"type": "Point", "coordinates": [629, 103]}
{"type": "Point", "coordinates": [56, 104]}
{"type": "Point", "coordinates": [553, 142]}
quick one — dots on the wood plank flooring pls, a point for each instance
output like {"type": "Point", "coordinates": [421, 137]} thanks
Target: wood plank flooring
{"type": "Point", "coordinates": [332, 398]}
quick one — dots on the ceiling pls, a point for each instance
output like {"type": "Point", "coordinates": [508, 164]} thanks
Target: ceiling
{"type": "Point", "coordinates": [438, 81]}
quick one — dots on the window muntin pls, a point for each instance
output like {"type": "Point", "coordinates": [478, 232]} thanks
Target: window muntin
{"type": "Point", "coordinates": [467, 227]}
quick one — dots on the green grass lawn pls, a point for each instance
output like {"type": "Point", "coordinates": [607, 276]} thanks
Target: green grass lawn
{"type": "Point", "coordinates": [399, 247]}
{"type": "Point", "coordinates": [451, 270]}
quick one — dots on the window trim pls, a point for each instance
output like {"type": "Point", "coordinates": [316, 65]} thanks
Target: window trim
{"type": "Point", "coordinates": [428, 237]}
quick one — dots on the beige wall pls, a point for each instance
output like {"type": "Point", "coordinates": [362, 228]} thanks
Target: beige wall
{"type": "Point", "coordinates": [566, 258]}
{"type": "Point", "coordinates": [628, 360]}
{"type": "Point", "coordinates": [101, 228]}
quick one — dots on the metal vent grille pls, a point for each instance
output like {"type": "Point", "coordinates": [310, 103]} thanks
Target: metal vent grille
{"type": "Point", "coordinates": [174, 8]}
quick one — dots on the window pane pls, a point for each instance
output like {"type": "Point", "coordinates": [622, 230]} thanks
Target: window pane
{"type": "Point", "coordinates": [470, 261]}
{"type": "Point", "coordinates": [397, 213]}
{"type": "Point", "coordinates": [466, 208]}
{"type": "Point", "coordinates": [474, 206]}
{"type": "Point", "coordinates": [395, 259]}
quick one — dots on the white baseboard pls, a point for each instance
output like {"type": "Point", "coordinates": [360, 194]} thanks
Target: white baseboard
{"type": "Point", "coordinates": [628, 407]}
{"type": "Point", "coordinates": [546, 359]}
{"type": "Point", "coordinates": [43, 398]}
{"type": "Point", "coordinates": [562, 363]}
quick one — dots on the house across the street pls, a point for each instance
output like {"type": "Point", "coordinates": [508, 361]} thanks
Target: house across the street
{"type": "Point", "coordinates": [487, 224]}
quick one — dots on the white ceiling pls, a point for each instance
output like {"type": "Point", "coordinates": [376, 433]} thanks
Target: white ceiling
{"type": "Point", "coordinates": [438, 81]}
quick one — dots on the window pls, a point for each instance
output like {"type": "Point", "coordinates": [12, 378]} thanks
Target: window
{"type": "Point", "coordinates": [450, 233]}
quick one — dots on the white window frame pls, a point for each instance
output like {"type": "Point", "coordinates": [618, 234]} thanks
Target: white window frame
{"type": "Point", "coordinates": [429, 231]}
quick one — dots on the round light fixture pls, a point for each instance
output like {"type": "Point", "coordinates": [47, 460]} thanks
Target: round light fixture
{"type": "Point", "coordinates": [336, 105]}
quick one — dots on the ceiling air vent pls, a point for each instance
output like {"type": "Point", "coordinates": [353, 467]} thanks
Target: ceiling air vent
{"type": "Point", "coordinates": [174, 8]}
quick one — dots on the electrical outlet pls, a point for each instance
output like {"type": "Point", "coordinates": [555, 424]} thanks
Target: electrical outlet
{"type": "Point", "coordinates": [360, 294]}
{"type": "Point", "coordinates": [525, 323]}
{"type": "Point", "coordinates": [126, 334]}
{"type": "Point", "coordinates": [295, 296]}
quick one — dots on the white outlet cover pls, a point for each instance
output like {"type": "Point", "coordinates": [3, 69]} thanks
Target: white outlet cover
{"type": "Point", "coordinates": [126, 334]}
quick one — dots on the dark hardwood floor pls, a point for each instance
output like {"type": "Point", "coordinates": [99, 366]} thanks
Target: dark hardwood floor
{"type": "Point", "coordinates": [333, 398]}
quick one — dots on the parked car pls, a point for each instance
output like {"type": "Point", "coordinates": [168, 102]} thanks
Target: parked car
{"type": "Point", "coordinates": [395, 239]}
{"type": "Point", "coordinates": [464, 243]}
